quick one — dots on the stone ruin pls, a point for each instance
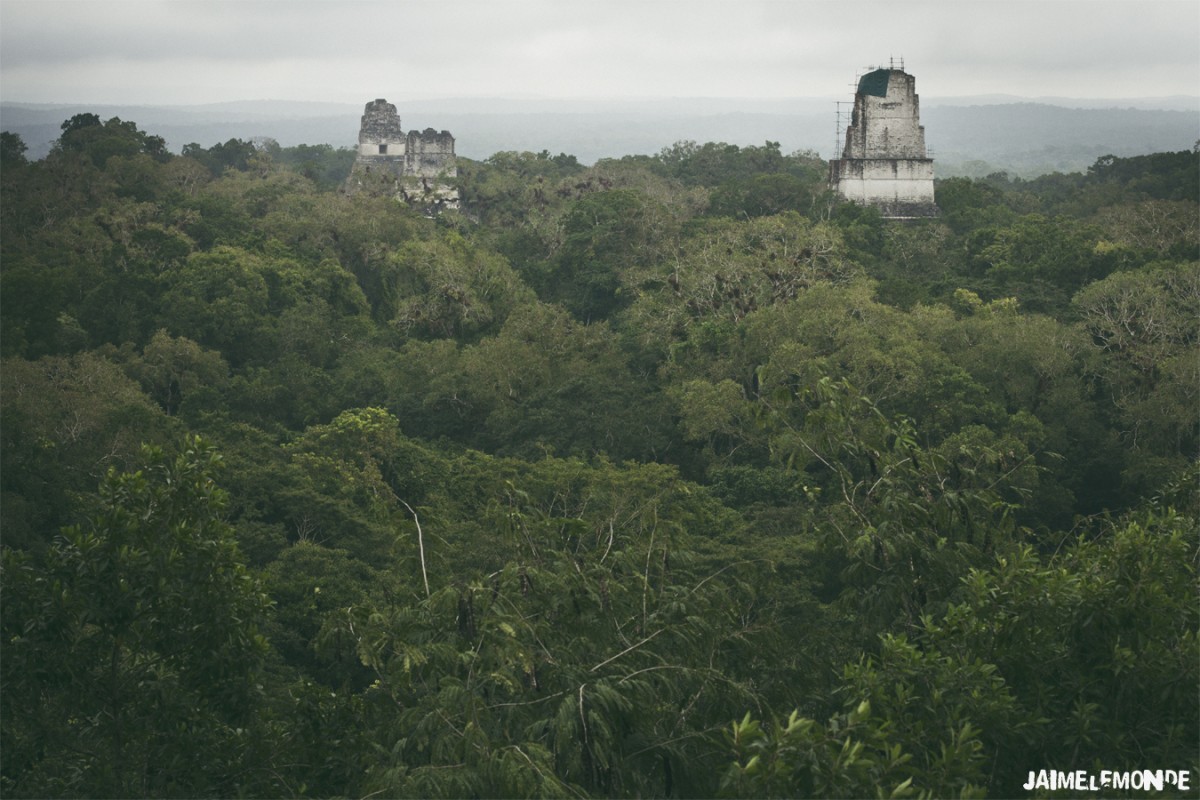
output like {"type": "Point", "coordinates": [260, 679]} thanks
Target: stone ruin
{"type": "Point", "coordinates": [418, 167]}
{"type": "Point", "coordinates": [884, 162]}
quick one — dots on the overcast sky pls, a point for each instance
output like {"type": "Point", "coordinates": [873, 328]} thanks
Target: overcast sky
{"type": "Point", "coordinates": [201, 51]}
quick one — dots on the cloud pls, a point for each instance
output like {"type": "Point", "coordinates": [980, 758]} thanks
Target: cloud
{"type": "Point", "coordinates": [208, 50]}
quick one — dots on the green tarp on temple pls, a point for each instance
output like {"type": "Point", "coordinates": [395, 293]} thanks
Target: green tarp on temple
{"type": "Point", "coordinates": [874, 83]}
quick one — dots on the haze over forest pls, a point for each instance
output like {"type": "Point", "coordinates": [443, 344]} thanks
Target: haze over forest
{"type": "Point", "coordinates": [1026, 87]}
{"type": "Point", "coordinates": [968, 135]}
{"type": "Point", "coordinates": [620, 456]}
{"type": "Point", "coordinates": [671, 476]}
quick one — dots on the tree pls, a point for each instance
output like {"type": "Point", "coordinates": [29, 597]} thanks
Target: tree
{"type": "Point", "coordinates": [585, 634]}
{"type": "Point", "coordinates": [604, 234]}
{"type": "Point", "coordinates": [910, 729]}
{"type": "Point", "coordinates": [1039, 260]}
{"type": "Point", "coordinates": [1088, 657]}
{"type": "Point", "coordinates": [1098, 645]}
{"type": "Point", "coordinates": [66, 422]}
{"type": "Point", "coordinates": [221, 300]}
{"type": "Point", "coordinates": [320, 163]}
{"type": "Point", "coordinates": [1162, 176]}
{"type": "Point", "coordinates": [1033, 370]}
{"type": "Point", "coordinates": [547, 380]}
{"type": "Point", "coordinates": [177, 370]}
{"type": "Point", "coordinates": [234, 154]}
{"type": "Point", "coordinates": [966, 204]}
{"type": "Point", "coordinates": [131, 647]}
{"type": "Point", "coordinates": [729, 268]}
{"type": "Point", "coordinates": [86, 135]}
{"type": "Point", "coordinates": [79, 122]}
{"type": "Point", "coordinates": [446, 288]}
{"type": "Point", "coordinates": [764, 195]}
{"type": "Point", "coordinates": [916, 263]}
{"type": "Point", "coordinates": [1144, 330]}
{"type": "Point", "coordinates": [346, 491]}
{"type": "Point", "coordinates": [310, 585]}
{"type": "Point", "coordinates": [715, 163]}
{"type": "Point", "coordinates": [1151, 230]}
{"type": "Point", "coordinates": [12, 150]}
{"type": "Point", "coordinates": [906, 520]}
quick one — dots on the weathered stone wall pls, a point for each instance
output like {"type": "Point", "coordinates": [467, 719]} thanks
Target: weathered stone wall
{"type": "Point", "coordinates": [884, 162]}
{"type": "Point", "coordinates": [379, 132]}
{"type": "Point", "coordinates": [898, 187]}
{"type": "Point", "coordinates": [430, 154]}
{"type": "Point", "coordinates": [417, 167]}
{"type": "Point", "coordinates": [907, 173]}
{"type": "Point", "coordinates": [886, 126]}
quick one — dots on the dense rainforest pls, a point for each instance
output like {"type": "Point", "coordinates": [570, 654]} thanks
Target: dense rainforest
{"type": "Point", "coordinates": [670, 476]}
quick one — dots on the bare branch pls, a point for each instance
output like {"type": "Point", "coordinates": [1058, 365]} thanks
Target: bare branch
{"type": "Point", "coordinates": [420, 545]}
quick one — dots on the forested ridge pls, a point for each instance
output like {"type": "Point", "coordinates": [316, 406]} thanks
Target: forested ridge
{"type": "Point", "coordinates": [670, 476]}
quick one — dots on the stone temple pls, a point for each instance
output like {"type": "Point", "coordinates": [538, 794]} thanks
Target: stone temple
{"type": "Point", "coordinates": [417, 167]}
{"type": "Point", "coordinates": [884, 163]}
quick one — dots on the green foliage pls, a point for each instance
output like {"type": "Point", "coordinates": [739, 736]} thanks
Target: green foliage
{"type": "Point", "coordinates": [254, 309]}
{"type": "Point", "coordinates": [967, 204]}
{"type": "Point", "coordinates": [842, 331]}
{"type": "Point", "coordinates": [131, 646]}
{"type": "Point", "coordinates": [763, 195]}
{"type": "Point", "coordinates": [182, 377]}
{"type": "Point", "coordinates": [311, 586]}
{"type": "Point", "coordinates": [916, 264]}
{"type": "Point", "coordinates": [1098, 646]}
{"type": "Point", "coordinates": [545, 493]}
{"type": "Point", "coordinates": [1088, 659]}
{"type": "Point", "coordinates": [716, 163]}
{"type": "Point", "coordinates": [1032, 368]}
{"type": "Point", "coordinates": [604, 234]}
{"type": "Point", "coordinates": [1144, 329]}
{"type": "Point", "coordinates": [729, 269]}
{"type": "Point", "coordinates": [593, 649]}
{"type": "Point", "coordinates": [12, 150]}
{"type": "Point", "coordinates": [861, 752]}
{"type": "Point", "coordinates": [445, 288]}
{"type": "Point", "coordinates": [1162, 176]}
{"type": "Point", "coordinates": [234, 154]}
{"type": "Point", "coordinates": [544, 382]}
{"type": "Point", "coordinates": [945, 710]}
{"type": "Point", "coordinates": [322, 164]}
{"type": "Point", "coordinates": [1150, 230]}
{"type": "Point", "coordinates": [86, 135]}
{"type": "Point", "coordinates": [906, 520]}
{"type": "Point", "coordinates": [1040, 261]}
{"type": "Point", "coordinates": [221, 299]}
{"type": "Point", "coordinates": [521, 196]}
{"type": "Point", "coordinates": [67, 421]}
{"type": "Point", "coordinates": [799, 757]}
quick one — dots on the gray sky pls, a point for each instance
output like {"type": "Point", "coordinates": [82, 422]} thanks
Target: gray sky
{"type": "Point", "coordinates": [201, 51]}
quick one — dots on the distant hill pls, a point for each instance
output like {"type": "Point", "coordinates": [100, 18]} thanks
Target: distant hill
{"type": "Point", "coordinates": [968, 135]}
{"type": "Point", "coordinates": [1030, 139]}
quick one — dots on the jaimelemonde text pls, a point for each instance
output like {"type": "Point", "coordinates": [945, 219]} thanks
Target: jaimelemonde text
{"type": "Point", "coordinates": [1152, 780]}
